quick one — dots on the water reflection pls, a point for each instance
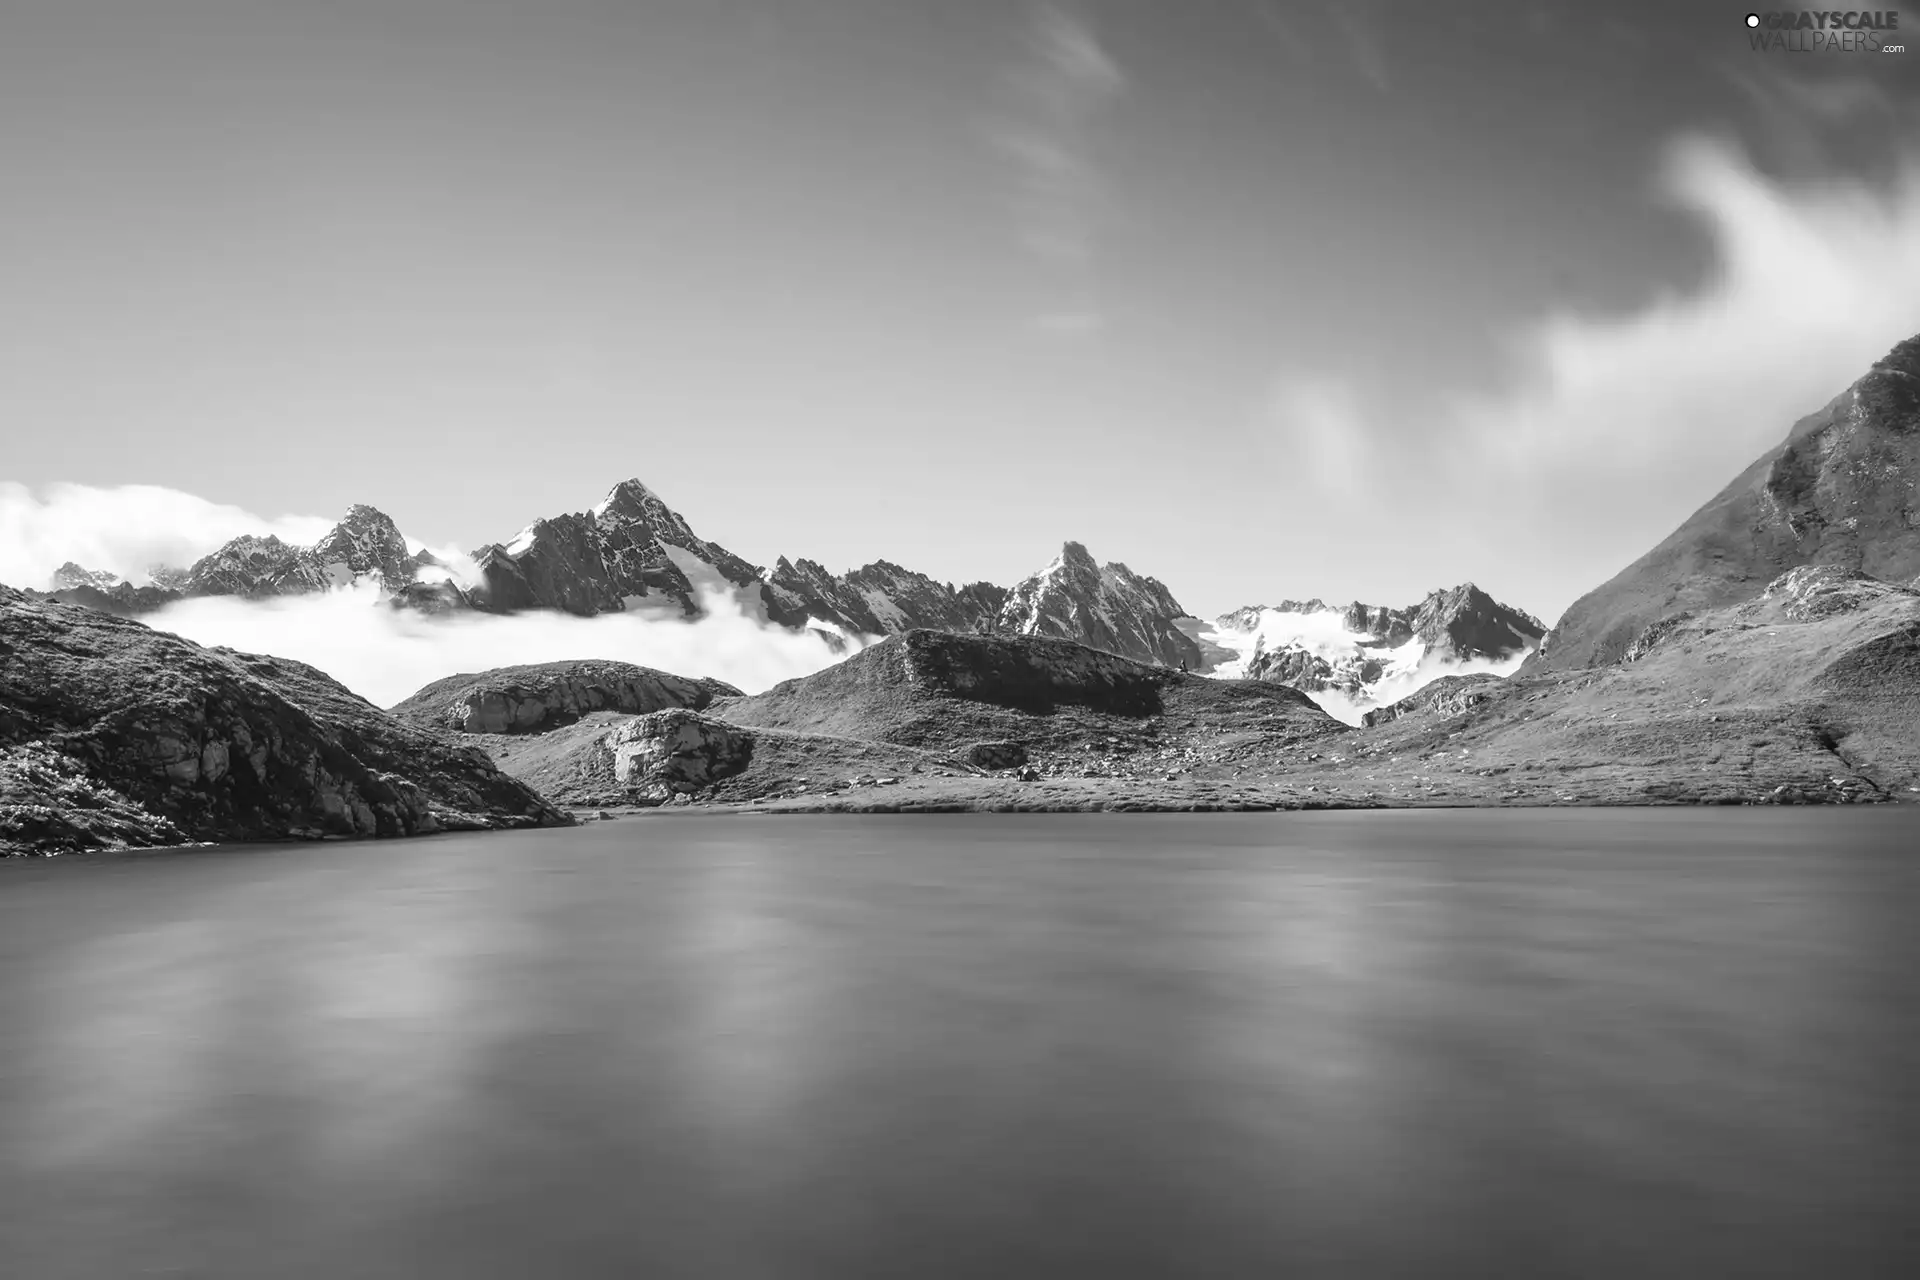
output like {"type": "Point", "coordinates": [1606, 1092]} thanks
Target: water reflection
{"type": "Point", "coordinates": [1351, 1044]}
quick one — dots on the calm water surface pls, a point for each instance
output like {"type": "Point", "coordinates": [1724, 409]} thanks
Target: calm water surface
{"type": "Point", "coordinates": [1654, 1043]}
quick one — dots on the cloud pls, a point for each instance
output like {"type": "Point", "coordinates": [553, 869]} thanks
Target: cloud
{"type": "Point", "coordinates": [1064, 82]}
{"type": "Point", "coordinates": [1812, 285]}
{"type": "Point", "coordinates": [1069, 324]}
{"type": "Point", "coordinates": [124, 530]}
{"type": "Point", "coordinates": [1302, 30]}
{"type": "Point", "coordinates": [384, 654]}
{"type": "Point", "coordinates": [1322, 426]}
{"type": "Point", "coordinates": [1609, 430]}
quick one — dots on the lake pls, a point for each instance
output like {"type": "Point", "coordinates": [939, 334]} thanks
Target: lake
{"type": "Point", "coordinates": [1519, 1043]}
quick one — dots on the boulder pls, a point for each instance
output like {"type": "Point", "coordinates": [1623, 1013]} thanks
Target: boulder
{"type": "Point", "coordinates": [668, 753]}
{"type": "Point", "coordinates": [995, 755]}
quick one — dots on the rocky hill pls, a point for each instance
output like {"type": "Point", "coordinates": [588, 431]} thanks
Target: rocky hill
{"type": "Point", "coordinates": [1842, 489]}
{"type": "Point", "coordinates": [112, 733]}
{"type": "Point", "coordinates": [544, 696]}
{"type": "Point", "coordinates": [1107, 607]}
{"type": "Point", "coordinates": [930, 709]}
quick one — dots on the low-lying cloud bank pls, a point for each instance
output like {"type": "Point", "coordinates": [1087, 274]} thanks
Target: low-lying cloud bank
{"type": "Point", "coordinates": [384, 654]}
{"type": "Point", "coordinates": [124, 529]}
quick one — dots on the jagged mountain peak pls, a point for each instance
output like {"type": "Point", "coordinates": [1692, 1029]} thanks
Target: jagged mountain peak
{"type": "Point", "coordinates": [365, 541]}
{"type": "Point", "coordinates": [631, 550]}
{"type": "Point", "coordinates": [1109, 608]}
{"type": "Point", "coordinates": [633, 500]}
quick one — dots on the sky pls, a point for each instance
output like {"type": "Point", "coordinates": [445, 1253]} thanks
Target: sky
{"type": "Point", "coordinates": [1267, 300]}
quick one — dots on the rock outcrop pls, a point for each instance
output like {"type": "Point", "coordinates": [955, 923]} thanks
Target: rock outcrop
{"type": "Point", "coordinates": [656, 757]}
{"type": "Point", "coordinates": [119, 734]}
{"type": "Point", "coordinates": [1447, 696]}
{"type": "Point", "coordinates": [1843, 489]}
{"type": "Point", "coordinates": [532, 699]}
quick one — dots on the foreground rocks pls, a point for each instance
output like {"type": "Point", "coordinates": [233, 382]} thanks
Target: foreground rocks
{"type": "Point", "coordinates": [115, 734]}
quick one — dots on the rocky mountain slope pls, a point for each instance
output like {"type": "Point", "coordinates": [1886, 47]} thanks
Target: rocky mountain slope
{"type": "Point", "coordinates": [1108, 607]}
{"type": "Point", "coordinates": [1367, 652]}
{"type": "Point", "coordinates": [112, 733]}
{"type": "Point", "coordinates": [879, 599]}
{"type": "Point", "coordinates": [630, 551]}
{"type": "Point", "coordinates": [1842, 489]}
{"type": "Point", "coordinates": [1809, 693]}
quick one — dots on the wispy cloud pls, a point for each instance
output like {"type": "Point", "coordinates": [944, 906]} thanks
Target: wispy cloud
{"type": "Point", "coordinates": [1305, 28]}
{"type": "Point", "coordinates": [1065, 80]}
{"type": "Point", "coordinates": [1610, 430]}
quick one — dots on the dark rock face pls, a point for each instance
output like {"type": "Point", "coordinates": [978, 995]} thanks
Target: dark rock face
{"type": "Point", "coordinates": [878, 599]}
{"type": "Point", "coordinates": [1469, 623]}
{"type": "Point", "coordinates": [216, 745]}
{"type": "Point", "coordinates": [1388, 626]}
{"type": "Point", "coordinates": [1106, 607]}
{"type": "Point", "coordinates": [1840, 490]}
{"type": "Point", "coordinates": [535, 698]}
{"type": "Point", "coordinates": [124, 599]}
{"type": "Point", "coordinates": [254, 567]}
{"type": "Point", "coordinates": [677, 752]}
{"type": "Point", "coordinates": [605, 560]}
{"type": "Point", "coordinates": [995, 755]}
{"type": "Point", "coordinates": [560, 567]}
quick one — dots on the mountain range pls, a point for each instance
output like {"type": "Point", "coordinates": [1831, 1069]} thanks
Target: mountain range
{"type": "Point", "coordinates": [1690, 677]}
{"type": "Point", "coordinates": [633, 553]}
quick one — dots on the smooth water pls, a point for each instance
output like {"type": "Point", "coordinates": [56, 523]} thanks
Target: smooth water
{"type": "Point", "coordinates": [1592, 1043]}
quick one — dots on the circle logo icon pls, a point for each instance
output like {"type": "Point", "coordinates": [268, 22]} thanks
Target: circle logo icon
{"type": "Point", "coordinates": [1753, 19]}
